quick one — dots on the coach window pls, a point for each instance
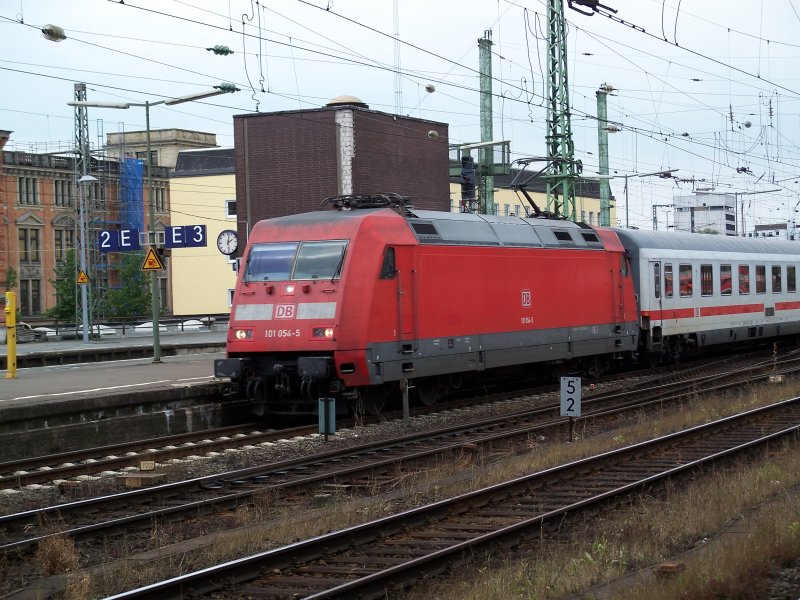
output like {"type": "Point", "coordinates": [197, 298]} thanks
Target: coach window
{"type": "Point", "coordinates": [668, 280]}
{"type": "Point", "coordinates": [791, 282]}
{"type": "Point", "coordinates": [761, 279]}
{"type": "Point", "coordinates": [725, 285]}
{"type": "Point", "coordinates": [685, 280]}
{"type": "Point", "coordinates": [706, 280]}
{"type": "Point", "coordinates": [776, 279]}
{"type": "Point", "coordinates": [744, 279]}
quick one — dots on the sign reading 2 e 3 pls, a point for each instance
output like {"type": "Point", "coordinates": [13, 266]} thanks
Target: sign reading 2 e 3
{"type": "Point", "coordinates": [119, 241]}
{"type": "Point", "coordinates": [185, 236]}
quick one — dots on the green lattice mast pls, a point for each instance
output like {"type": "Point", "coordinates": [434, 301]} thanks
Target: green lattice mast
{"type": "Point", "coordinates": [561, 173]}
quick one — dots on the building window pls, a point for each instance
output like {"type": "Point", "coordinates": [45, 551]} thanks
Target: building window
{"type": "Point", "coordinates": [63, 241]}
{"type": "Point", "coordinates": [791, 281]}
{"type": "Point", "coordinates": [230, 298]}
{"type": "Point", "coordinates": [162, 292]}
{"type": "Point", "coordinates": [506, 210]}
{"type": "Point", "coordinates": [62, 192]}
{"type": "Point", "coordinates": [29, 246]}
{"type": "Point", "coordinates": [706, 280]}
{"type": "Point", "coordinates": [591, 218]}
{"type": "Point", "coordinates": [685, 280]}
{"type": "Point", "coordinates": [496, 209]}
{"type": "Point", "coordinates": [153, 157]}
{"type": "Point", "coordinates": [668, 281]}
{"type": "Point", "coordinates": [28, 190]}
{"type": "Point", "coordinates": [230, 209]}
{"type": "Point", "coordinates": [583, 216]}
{"type": "Point", "coordinates": [725, 280]}
{"type": "Point", "coordinates": [160, 199]}
{"type": "Point", "coordinates": [776, 279]}
{"type": "Point", "coordinates": [744, 279]}
{"type": "Point", "coordinates": [30, 297]}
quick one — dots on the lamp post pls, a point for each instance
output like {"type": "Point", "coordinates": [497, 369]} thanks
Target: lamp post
{"type": "Point", "coordinates": [225, 88]}
{"type": "Point", "coordinates": [82, 225]}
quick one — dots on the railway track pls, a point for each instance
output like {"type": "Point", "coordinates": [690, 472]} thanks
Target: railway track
{"type": "Point", "coordinates": [93, 461]}
{"type": "Point", "coordinates": [368, 560]}
{"type": "Point", "coordinates": [93, 523]}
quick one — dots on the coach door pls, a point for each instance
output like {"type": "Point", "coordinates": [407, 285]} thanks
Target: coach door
{"type": "Point", "coordinates": [407, 284]}
{"type": "Point", "coordinates": [655, 281]}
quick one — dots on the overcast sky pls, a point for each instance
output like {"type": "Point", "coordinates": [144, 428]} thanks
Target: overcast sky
{"type": "Point", "coordinates": [708, 87]}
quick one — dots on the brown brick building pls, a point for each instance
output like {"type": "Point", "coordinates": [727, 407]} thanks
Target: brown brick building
{"type": "Point", "coordinates": [39, 216]}
{"type": "Point", "coordinates": [289, 162]}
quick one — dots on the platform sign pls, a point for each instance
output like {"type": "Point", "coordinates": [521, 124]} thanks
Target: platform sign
{"type": "Point", "coordinates": [123, 240]}
{"type": "Point", "coordinates": [570, 396]}
{"type": "Point", "coordinates": [152, 262]}
{"type": "Point", "coordinates": [185, 236]}
{"type": "Point", "coordinates": [83, 278]}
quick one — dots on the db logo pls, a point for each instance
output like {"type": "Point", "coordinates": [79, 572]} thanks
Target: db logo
{"type": "Point", "coordinates": [285, 311]}
{"type": "Point", "coordinates": [526, 298]}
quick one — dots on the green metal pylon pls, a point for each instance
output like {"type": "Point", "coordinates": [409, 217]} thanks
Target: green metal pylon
{"type": "Point", "coordinates": [560, 148]}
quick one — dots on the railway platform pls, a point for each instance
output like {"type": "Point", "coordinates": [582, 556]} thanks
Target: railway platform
{"type": "Point", "coordinates": [62, 387]}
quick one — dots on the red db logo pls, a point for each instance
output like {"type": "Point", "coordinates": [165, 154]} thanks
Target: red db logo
{"type": "Point", "coordinates": [285, 311]}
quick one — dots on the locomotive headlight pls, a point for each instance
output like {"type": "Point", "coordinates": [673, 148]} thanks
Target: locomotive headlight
{"type": "Point", "coordinates": [322, 332]}
{"type": "Point", "coordinates": [289, 288]}
{"type": "Point", "coordinates": [243, 334]}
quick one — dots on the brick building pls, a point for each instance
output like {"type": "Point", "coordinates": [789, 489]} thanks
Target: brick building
{"type": "Point", "coordinates": [39, 217]}
{"type": "Point", "coordinates": [288, 162]}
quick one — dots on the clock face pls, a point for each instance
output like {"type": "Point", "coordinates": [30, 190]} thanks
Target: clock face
{"type": "Point", "coordinates": [227, 242]}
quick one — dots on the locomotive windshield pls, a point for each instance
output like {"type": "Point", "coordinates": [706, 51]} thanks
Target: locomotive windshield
{"type": "Point", "coordinates": [279, 261]}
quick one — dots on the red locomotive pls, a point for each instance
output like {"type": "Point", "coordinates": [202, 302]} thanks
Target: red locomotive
{"type": "Point", "coordinates": [354, 301]}
{"type": "Point", "coordinates": [349, 302]}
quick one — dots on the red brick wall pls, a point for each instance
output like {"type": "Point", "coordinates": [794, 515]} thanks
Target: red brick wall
{"type": "Point", "coordinates": [395, 154]}
{"type": "Point", "coordinates": [287, 162]}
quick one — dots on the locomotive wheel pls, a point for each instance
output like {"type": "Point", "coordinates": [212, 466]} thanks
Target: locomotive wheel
{"type": "Point", "coordinates": [598, 367]}
{"type": "Point", "coordinates": [373, 401]}
{"type": "Point", "coordinates": [428, 391]}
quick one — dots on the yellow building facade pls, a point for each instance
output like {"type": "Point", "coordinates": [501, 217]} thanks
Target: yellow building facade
{"type": "Point", "coordinates": [203, 278]}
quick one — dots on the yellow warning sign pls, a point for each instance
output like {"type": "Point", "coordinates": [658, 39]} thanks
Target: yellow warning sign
{"type": "Point", "coordinates": [83, 277]}
{"type": "Point", "coordinates": [152, 262]}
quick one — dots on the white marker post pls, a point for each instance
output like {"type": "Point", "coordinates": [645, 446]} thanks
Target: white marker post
{"type": "Point", "coordinates": [571, 401]}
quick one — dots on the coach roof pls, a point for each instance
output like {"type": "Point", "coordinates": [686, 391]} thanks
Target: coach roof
{"type": "Point", "coordinates": [635, 240]}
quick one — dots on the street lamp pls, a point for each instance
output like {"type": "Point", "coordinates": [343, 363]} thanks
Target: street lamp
{"type": "Point", "coordinates": [83, 284]}
{"type": "Point", "coordinates": [225, 88]}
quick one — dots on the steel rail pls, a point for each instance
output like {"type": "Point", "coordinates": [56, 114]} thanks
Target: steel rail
{"type": "Point", "coordinates": [331, 465]}
{"type": "Point", "coordinates": [354, 544]}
